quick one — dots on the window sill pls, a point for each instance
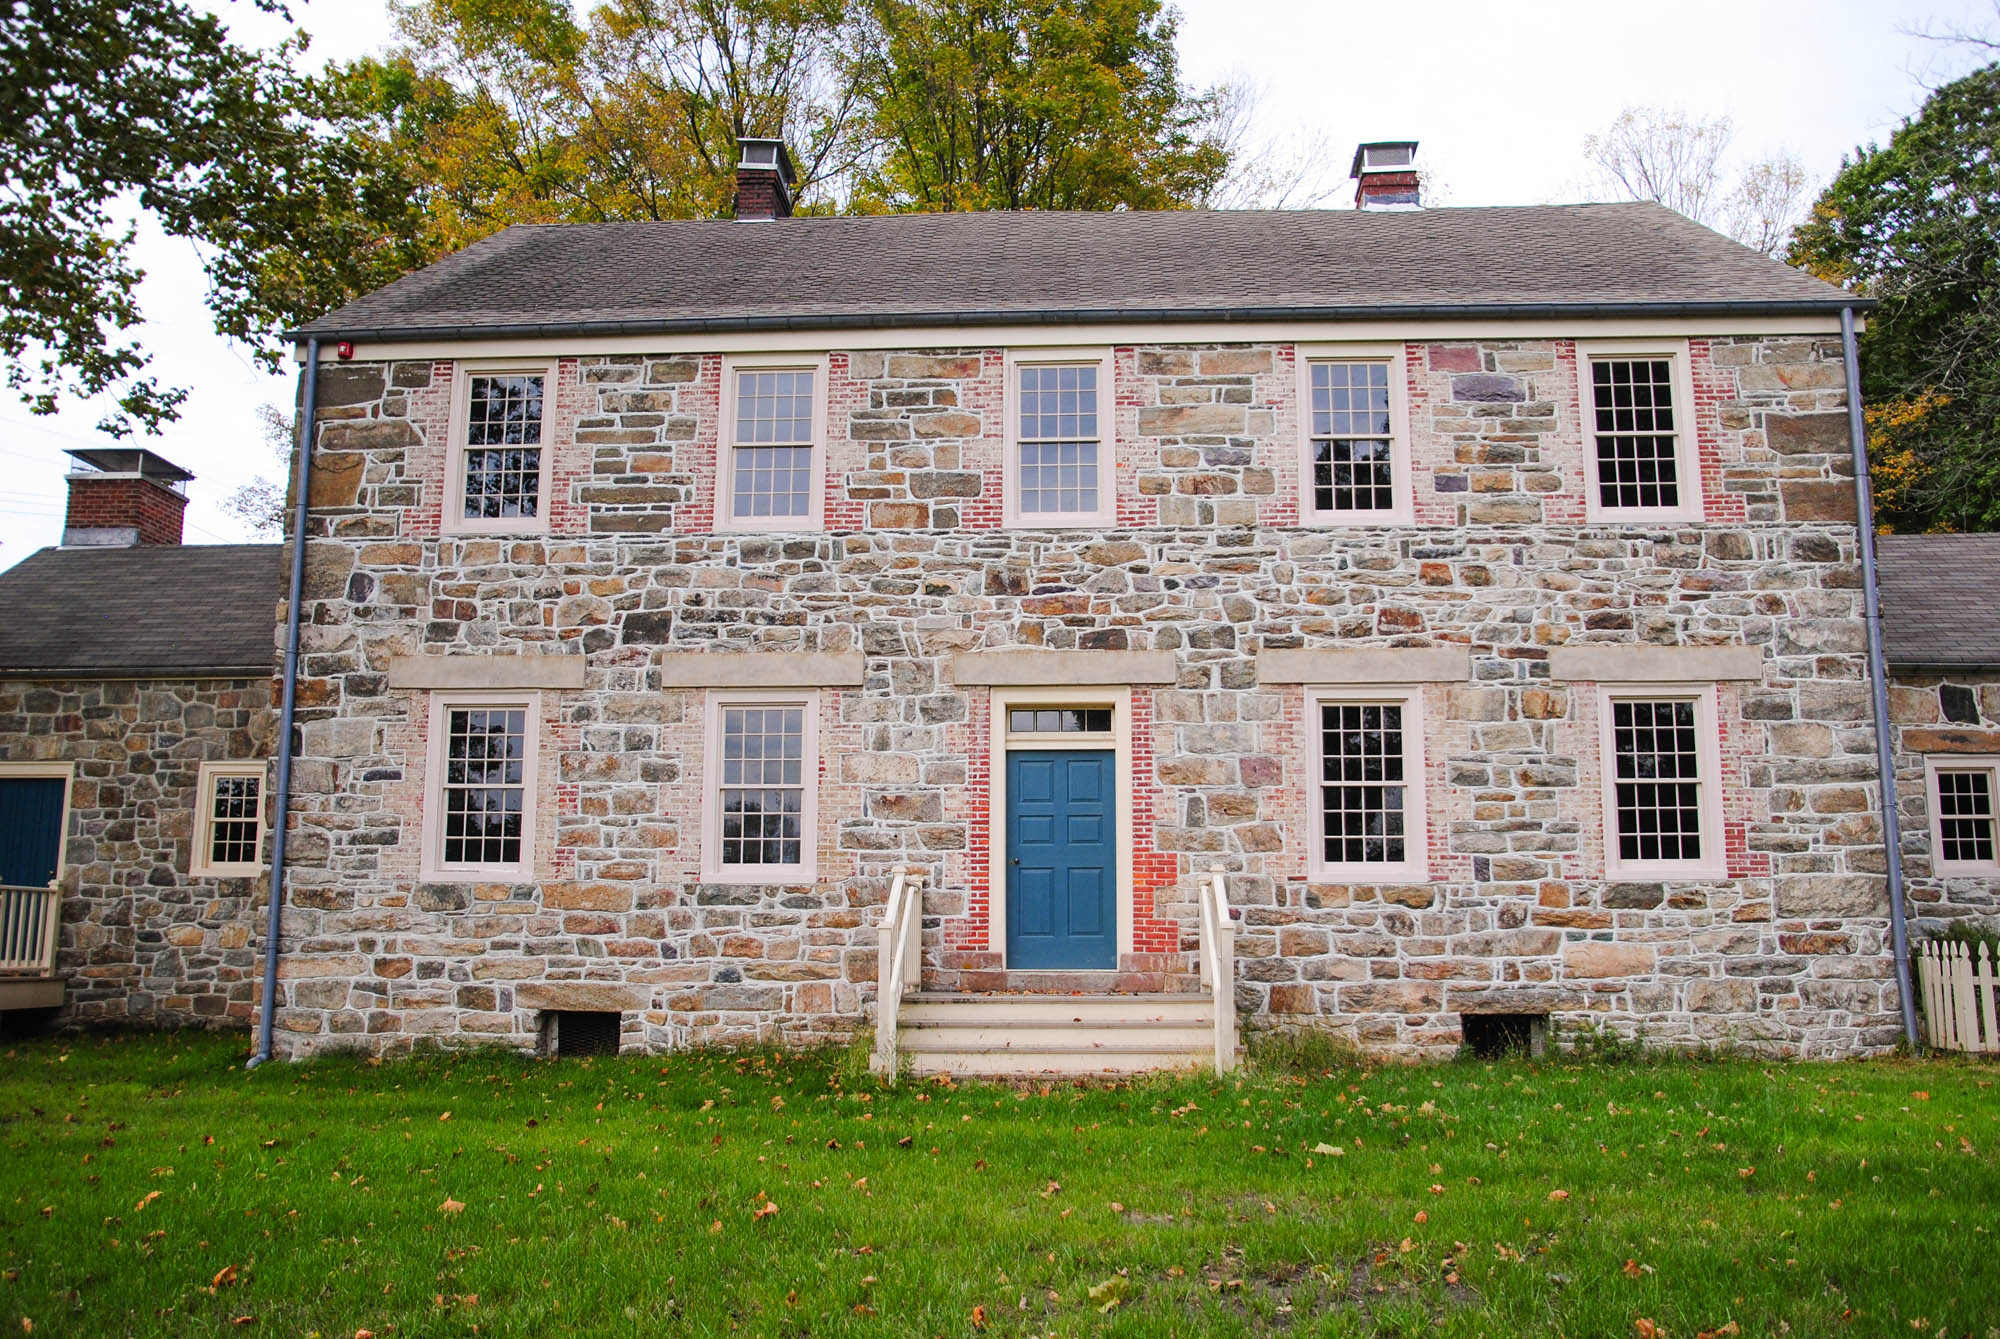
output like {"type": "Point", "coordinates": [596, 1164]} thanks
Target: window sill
{"type": "Point", "coordinates": [1666, 872]}
{"type": "Point", "coordinates": [738, 878]}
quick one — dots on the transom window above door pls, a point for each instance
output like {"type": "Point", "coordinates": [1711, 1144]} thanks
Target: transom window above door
{"type": "Point", "coordinates": [1059, 720]}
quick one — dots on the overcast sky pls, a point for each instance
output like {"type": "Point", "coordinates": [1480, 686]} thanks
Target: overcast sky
{"type": "Point", "coordinates": [1500, 96]}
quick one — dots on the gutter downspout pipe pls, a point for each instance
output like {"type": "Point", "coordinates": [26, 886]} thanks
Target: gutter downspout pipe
{"type": "Point", "coordinates": [302, 483]}
{"type": "Point", "coordinates": [1878, 675]}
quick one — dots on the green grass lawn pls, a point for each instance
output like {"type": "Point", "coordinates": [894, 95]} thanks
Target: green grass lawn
{"type": "Point", "coordinates": [153, 1187]}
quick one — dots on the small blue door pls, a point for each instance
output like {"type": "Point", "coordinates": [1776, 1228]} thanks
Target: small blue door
{"type": "Point", "coordinates": [1062, 879]}
{"type": "Point", "coordinates": [31, 818]}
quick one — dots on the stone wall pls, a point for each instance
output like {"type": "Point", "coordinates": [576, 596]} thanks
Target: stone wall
{"type": "Point", "coordinates": [1940, 715]}
{"type": "Point", "coordinates": [1786, 953]}
{"type": "Point", "coordinates": [142, 941]}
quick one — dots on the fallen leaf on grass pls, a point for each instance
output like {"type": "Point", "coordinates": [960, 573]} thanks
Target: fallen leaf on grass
{"type": "Point", "coordinates": [1052, 1188]}
{"type": "Point", "coordinates": [1558, 1195]}
{"type": "Point", "coordinates": [242, 1320]}
{"type": "Point", "coordinates": [1109, 1293]}
{"type": "Point", "coordinates": [764, 1210]}
{"type": "Point", "coordinates": [223, 1276]}
{"type": "Point", "coordinates": [1645, 1329]}
{"type": "Point", "coordinates": [1728, 1331]}
{"type": "Point", "coordinates": [1327, 1150]}
{"type": "Point", "coordinates": [1423, 1217]}
{"type": "Point", "coordinates": [979, 1318]}
{"type": "Point", "coordinates": [151, 1195]}
{"type": "Point", "coordinates": [451, 1206]}
{"type": "Point", "coordinates": [1116, 1207]}
{"type": "Point", "coordinates": [445, 1117]}
{"type": "Point", "coordinates": [1630, 1269]}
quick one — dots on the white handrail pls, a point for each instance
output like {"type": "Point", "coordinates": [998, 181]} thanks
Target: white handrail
{"type": "Point", "coordinates": [1218, 963]}
{"type": "Point", "coordinates": [900, 945]}
{"type": "Point", "coordinates": [28, 917]}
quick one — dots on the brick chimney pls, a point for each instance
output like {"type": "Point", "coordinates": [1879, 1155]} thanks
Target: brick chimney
{"type": "Point", "coordinates": [123, 496]}
{"type": "Point", "coordinates": [764, 180]}
{"type": "Point", "coordinates": [1385, 175]}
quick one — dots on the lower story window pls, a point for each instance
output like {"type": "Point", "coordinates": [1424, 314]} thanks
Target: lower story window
{"type": "Point", "coordinates": [1963, 820]}
{"type": "Point", "coordinates": [480, 809]}
{"type": "Point", "coordinates": [1661, 796]}
{"type": "Point", "coordinates": [229, 827]}
{"type": "Point", "coordinates": [1369, 796]}
{"type": "Point", "coordinates": [763, 767]}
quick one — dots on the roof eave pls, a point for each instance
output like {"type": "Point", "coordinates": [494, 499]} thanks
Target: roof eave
{"type": "Point", "coordinates": [327, 329]}
{"type": "Point", "coordinates": [122, 672]}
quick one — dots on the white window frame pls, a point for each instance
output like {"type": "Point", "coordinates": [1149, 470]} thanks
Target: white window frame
{"type": "Point", "coordinates": [432, 867]}
{"type": "Point", "coordinates": [1397, 358]}
{"type": "Point", "coordinates": [1714, 862]}
{"type": "Point", "coordinates": [726, 519]}
{"type": "Point", "coordinates": [454, 521]}
{"type": "Point", "coordinates": [64, 772]}
{"type": "Point", "coordinates": [199, 863]}
{"type": "Point", "coordinates": [1687, 452]}
{"type": "Point", "coordinates": [1934, 763]}
{"type": "Point", "coordinates": [1415, 865]}
{"type": "Point", "coordinates": [1106, 512]}
{"type": "Point", "coordinates": [712, 868]}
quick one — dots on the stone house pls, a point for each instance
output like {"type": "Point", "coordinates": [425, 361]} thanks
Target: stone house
{"type": "Point", "coordinates": [1422, 625]}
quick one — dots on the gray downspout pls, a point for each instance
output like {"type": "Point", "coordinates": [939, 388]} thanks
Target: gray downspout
{"type": "Point", "coordinates": [1878, 674]}
{"type": "Point", "coordinates": [302, 483]}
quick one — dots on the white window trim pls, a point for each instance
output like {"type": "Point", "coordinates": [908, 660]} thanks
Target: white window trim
{"type": "Point", "coordinates": [1107, 441]}
{"type": "Point", "coordinates": [1415, 866]}
{"type": "Point", "coordinates": [199, 864]}
{"type": "Point", "coordinates": [726, 520]}
{"type": "Point", "coordinates": [66, 773]}
{"type": "Point", "coordinates": [1397, 357]}
{"type": "Point", "coordinates": [1714, 862]}
{"type": "Point", "coordinates": [1935, 763]}
{"type": "Point", "coordinates": [454, 520]}
{"type": "Point", "coordinates": [1687, 449]}
{"type": "Point", "coordinates": [432, 867]}
{"type": "Point", "coordinates": [712, 868]}
{"type": "Point", "coordinates": [1001, 739]}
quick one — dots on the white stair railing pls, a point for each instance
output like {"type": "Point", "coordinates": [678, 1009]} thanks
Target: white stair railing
{"type": "Point", "coordinates": [1218, 963]}
{"type": "Point", "coordinates": [28, 917]}
{"type": "Point", "coordinates": [898, 960]}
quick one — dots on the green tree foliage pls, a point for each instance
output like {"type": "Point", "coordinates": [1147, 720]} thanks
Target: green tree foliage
{"type": "Point", "coordinates": [1034, 104]}
{"type": "Point", "coordinates": [1916, 224]}
{"type": "Point", "coordinates": [147, 103]}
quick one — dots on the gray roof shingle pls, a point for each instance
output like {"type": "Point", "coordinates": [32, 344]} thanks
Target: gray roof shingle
{"type": "Point", "coordinates": [991, 268]}
{"type": "Point", "coordinates": [1940, 599]}
{"type": "Point", "coordinates": [153, 612]}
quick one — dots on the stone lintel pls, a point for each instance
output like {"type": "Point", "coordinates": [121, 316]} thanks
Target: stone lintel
{"type": "Point", "coordinates": [586, 996]}
{"type": "Point", "coordinates": [1655, 664]}
{"type": "Point", "coordinates": [478, 673]}
{"type": "Point", "coordinates": [1062, 669]}
{"type": "Point", "coordinates": [761, 669]}
{"type": "Point", "coordinates": [1409, 664]}
{"type": "Point", "coordinates": [1948, 740]}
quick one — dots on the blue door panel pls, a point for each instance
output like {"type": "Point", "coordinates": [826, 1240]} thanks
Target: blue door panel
{"type": "Point", "coordinates": [1062, 884]}
{"type": "Point", "coordinates": [31, 818]}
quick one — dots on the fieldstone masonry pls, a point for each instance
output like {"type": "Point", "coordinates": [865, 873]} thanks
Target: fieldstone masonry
{"type": "Point", "coordinates": [141, 941]}
{"type": "Point", "coordinates": [1208, 562]}
{"type": "Point", "coordinates": [1940, 715]}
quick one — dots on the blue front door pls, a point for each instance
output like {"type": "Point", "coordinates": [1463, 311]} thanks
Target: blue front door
{"type": "Point", "coordinates": [1062, 876]}
{"type": "Point", "coordinates": [31, 818]}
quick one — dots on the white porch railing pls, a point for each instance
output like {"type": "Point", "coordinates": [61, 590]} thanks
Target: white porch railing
{"type": "Point", "coordinates": [28, 930]}
{"type": "Point", "coordinates": [1218, 964]}
{"type": "Point", "coordinates": [1960, 986]}
{"type": "Point", "coordinates": [898, 960]}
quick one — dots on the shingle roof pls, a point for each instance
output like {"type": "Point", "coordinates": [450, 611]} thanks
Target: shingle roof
{"type": "Point", "coordinates": [990, 268]}
{"type": "Point", "coordinates": [1940, 599]}
{"type": "Point", "coordinates": [151, 611]}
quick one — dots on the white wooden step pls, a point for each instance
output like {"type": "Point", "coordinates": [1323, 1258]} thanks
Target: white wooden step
{"type": "Point", "coordinates": [1055, 1034]}
{"type": "Point", "coordinates": [1035, 1036]}
{"type": "Point", "coordinates": [1060, 1008]}
{"type": "Point", "coordinates": [1008, 1062]}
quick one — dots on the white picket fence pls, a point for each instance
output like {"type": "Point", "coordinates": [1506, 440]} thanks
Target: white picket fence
{"type": "Point", "coordinates": [1960, 986]}
{"type": "Point", "coordinates": [28, 930]}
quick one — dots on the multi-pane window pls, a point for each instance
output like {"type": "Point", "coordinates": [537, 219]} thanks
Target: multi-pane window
{"type": "Point", "coordinates": [1637, 434]}
{"type": "Point", "coordinates": [1353, 446]}
{"type": "Point", "coordinates": [1059, 720]}
{"type": "Point", "coordinates": [1965, 827]}
{"type": "Point", "coordinates": [229, 828]}
{"type": "Point", "coordinates": [503, 447]}
{"type": "Point", "coordinates": [483, 792]}
{"type": "Point", "coordinates": [771, 467]}
{"type": "Point", "coordinates": [1061, 449]}
{"type": "Point", "coordinates": [763, 786]}
{"type": "Point", "coordinates": [1363, 789]}
{"type": "Point", "coordinates": [1657, 781]}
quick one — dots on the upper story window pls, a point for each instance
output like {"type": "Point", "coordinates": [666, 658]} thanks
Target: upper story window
{"type": "Point", "coordinates": [772, 476]}
{"type": "Point", "coordinates": [1965, 824]}
{"type": "Point", "coordinates": [499, 474]}
{"type": "Point", "coordinates": [1059, 466]}
{"type": "Point", "coordinates": [1663, 812]}
{"type": "Point", "coordinates": [1637, 403]}
{"type": "Point", "coordinates": [480, 803]}
{"type": "Point", "coordinates": [1368, 758]}
{"type": "Point", "coordinates": [229, 822]}
{"type": "Point", "coordinates": [1355, 466]}
{"type": "Point", "coordinates": [761, 801]}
